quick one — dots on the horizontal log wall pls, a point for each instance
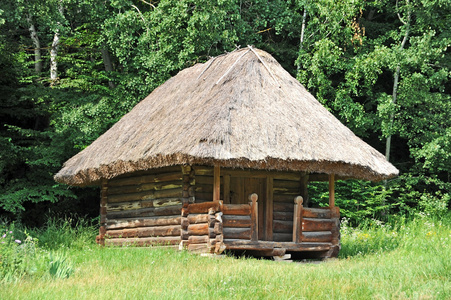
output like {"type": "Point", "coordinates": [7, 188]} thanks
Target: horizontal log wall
{"type": "Point", "coordinates": [286, 185]}
{"type": "Point", "coordinates": [173, 241]}
{"type": "Point", "coordinates": [237, 221]}
{"type": "Point", "coordinates": [153, 231]}
{"type": "Point", "coordinates": [143, 208]}
{"type": "Point", "coordinates": [284, 191]}
{"type": "Point", "coordinates": [204, 184]}
{"type": "Point", "coordinates": [143, 222]}
{"type": "Point", "coordinates": [283, 218]}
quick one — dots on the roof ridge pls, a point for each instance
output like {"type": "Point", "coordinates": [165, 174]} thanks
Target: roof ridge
{"type": "Point", "coordinates": [265, 65]}
{"type": "Point", "coordinates": [231, 67]}
{"type": "Point", "coordinates": [212, 59]}
{"type": "Point", "coordinates": [250, 48]}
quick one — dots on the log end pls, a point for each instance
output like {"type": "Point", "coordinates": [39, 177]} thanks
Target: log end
{"type": "Point", "coordinates": [100, 240]}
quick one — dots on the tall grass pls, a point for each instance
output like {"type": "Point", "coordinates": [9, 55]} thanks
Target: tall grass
{"type": "Point", "coordinates": [66, 232]}
{"type": "Point", "coordinates": [26, 253]}
{"type": "Point", "coordinates": [423, 233]}
{"type": "Point", "coordinates": [401, 260]}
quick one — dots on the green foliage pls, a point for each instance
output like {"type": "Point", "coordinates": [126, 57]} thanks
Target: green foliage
{"type": "Point", "coordinates": [358, 200]}
{"type": "Point", "coordinates": [32, 154]}
{"type": "Point", "coordinates": [350, 68]}
{"type": "Point", "coordinates": [31, 128]}
{"type": "Point", "coordinates": [2, 20]}
{"type": "Point", "coordinates": [405, 196]}
{"type": "Point", "coordinates": [421, 194]}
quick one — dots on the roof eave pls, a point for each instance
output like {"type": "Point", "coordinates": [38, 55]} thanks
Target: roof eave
{"type": "Point", "coordinates": [93, 176]}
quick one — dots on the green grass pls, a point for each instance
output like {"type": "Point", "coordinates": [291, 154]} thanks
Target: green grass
{"type": "Point", "coordinates": [405, 260]}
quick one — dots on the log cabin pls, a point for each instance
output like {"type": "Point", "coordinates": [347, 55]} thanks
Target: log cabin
{"type": "Point", "coordinates": [219, 157]}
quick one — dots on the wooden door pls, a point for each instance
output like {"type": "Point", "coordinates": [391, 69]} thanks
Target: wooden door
{"type": "Point", "coordinates": [241, 188]}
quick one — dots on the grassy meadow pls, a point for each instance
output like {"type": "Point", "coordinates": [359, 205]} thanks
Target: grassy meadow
{"type": "Point", "coordinates": [401, 260]}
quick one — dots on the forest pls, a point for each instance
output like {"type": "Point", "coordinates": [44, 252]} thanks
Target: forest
{"type": "Point", "coordinates": [70, 69]}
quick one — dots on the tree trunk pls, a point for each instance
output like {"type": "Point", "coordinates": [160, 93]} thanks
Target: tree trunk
{"type": "Point", "coordinates": [304, 16]}
{"type": "Point", "coordinates": [55, 47]}
{"type": "Point", "coordinates": [53, 56]}
{"type": "Point", "coordinates": [395, 83]}
{"type": "Point", "coordinates": [108, 65]}
{"type": "Point", "coordinates": [395, 94]}
{"type": "Point", "coordinates": [37, 45]}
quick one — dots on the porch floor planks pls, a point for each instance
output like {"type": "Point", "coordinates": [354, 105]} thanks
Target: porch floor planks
{"type": "Point", "coordinates": [234, 244]}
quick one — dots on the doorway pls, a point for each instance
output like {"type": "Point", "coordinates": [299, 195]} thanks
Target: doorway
{"type": "Point", "coordinates": [241, 188]}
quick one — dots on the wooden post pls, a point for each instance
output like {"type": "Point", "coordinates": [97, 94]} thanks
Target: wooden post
{"type": "Point", "coordinates": [335, 215]}
{"type": "Point", "coordinates": [216, 184]}
{"type": "Point", "coordinates": [269, 208]}
{"type": "Point", "coordinates": [103, 203]}
{"type": "Point", "coordinates": [331, 190]}
{"type": "Point", "coordinates": [188, 189]}
{"type": "Point", "coordinates": [254, 216]}
{"type": "Point", "coordinates": [184, 223]}
{"type": "Point", "coordinates": [187, 199]}
{"type": "Point", "coordinates": [304, 188]}
{"type": "Point", "coordinates": [297, 219]}
{"type": "Point", "coordinates": [226, 188]}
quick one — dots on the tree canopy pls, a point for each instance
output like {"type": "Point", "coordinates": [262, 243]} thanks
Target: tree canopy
{"type": "Point", "coordinates": [72, 68]}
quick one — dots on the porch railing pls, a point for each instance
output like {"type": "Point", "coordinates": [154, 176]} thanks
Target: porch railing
{"type": "Point", "coordinates": [240, 221]}
{"type": "Point", "coordinates": [316, 224]}
{"type": "Point", "coordinates": [205, 226]}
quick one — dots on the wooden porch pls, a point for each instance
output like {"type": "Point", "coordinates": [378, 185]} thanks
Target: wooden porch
{"type": "Point", "coordinates": [212, 227]}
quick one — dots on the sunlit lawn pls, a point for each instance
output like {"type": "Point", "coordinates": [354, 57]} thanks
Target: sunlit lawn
{"type": "Point", "coordinates": [412, 261]}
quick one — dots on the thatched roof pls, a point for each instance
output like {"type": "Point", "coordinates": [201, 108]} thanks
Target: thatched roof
{"type": "Point", "coordinates": [240, 110]}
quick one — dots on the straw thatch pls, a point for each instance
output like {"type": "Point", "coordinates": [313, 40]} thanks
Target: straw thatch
{"type": "Point", "coordinates": [240, 110]}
